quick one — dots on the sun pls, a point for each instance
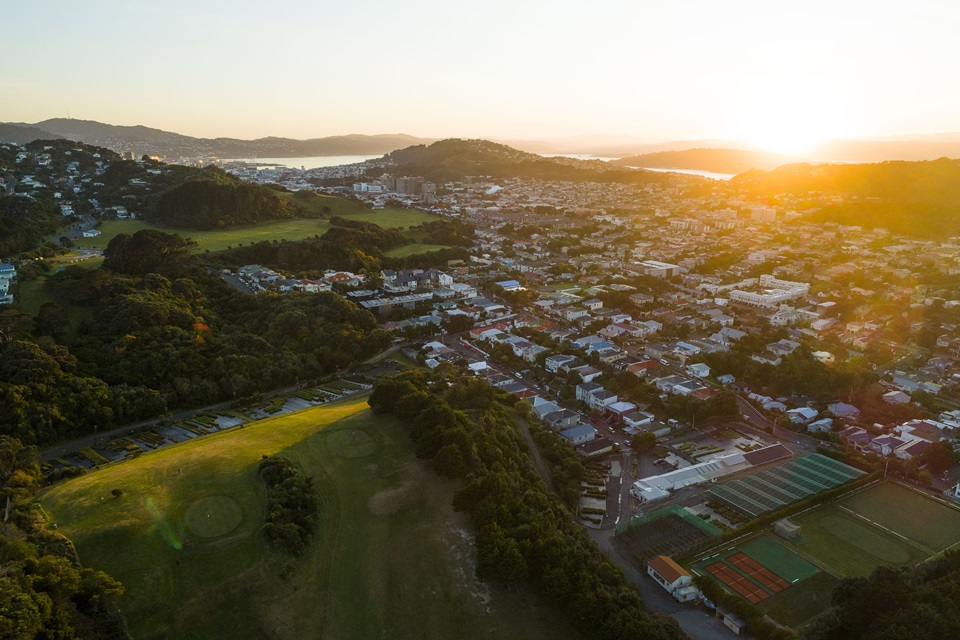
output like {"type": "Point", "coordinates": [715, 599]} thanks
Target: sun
{"type": "Point", "coordinates": [787, 119]}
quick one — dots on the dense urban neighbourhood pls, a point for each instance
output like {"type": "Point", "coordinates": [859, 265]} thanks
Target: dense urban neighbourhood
{"type": "Point", "coordinates": [671, 351]}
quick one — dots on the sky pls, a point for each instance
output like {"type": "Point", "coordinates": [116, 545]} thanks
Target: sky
{"type": "Point", "coordinates": [779, 75]}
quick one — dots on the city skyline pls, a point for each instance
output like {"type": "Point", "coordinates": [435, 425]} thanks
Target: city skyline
{"type": "Point", "coordinates": [781, 79]}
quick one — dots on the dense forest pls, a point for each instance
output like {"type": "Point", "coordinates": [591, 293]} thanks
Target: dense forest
{"type": "Point", "coordinates": [524, 534]}
{"type": "Point", "coordinates": [44, 590]}
{"type": "Point", "coordinates": [214, 199]}
{"type": "Point", "coordinates": [26, 223]}
{"type": "Point", "coordinates": [129, 341]}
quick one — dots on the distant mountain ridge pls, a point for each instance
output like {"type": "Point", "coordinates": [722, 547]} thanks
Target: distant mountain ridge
{"type": "Point", "coordinates": [148, 141]}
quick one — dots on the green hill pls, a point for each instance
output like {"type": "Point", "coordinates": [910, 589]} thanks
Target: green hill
{"type": "Point", "coordinates": [457, 158]}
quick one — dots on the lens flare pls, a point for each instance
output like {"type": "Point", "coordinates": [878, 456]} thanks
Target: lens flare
{"type": "Point", "coordinates": [162, 526]}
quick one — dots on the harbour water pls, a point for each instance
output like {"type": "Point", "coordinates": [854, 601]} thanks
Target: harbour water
{"type": "Point", "coordinates": [312, 162]}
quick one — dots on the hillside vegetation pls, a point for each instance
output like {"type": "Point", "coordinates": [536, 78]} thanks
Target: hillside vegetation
{"type": "Point", "coordinates": [915, 198]}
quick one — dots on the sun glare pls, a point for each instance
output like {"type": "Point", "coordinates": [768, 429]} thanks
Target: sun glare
{"type": "Point", "coordinates": [780, 118]}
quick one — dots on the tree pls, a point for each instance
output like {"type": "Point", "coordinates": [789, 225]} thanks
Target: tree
{"type": "Point", "coordinates": [116, 493]}
{"type": "Point", "coordinates": [149, 251]}
{"type": "Point", "coordinates": [643, 441]}
{"type": "Point", "coordinates": [938, 457]}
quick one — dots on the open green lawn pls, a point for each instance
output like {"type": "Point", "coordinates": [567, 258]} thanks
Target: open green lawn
{"type": "Point", "coordinates": [850, 547]}
{"type": "Point", "coordinates": [413, 249]}
{"type": "Point", "coordinates": [389, 560]}
{"type": "Point", "coordinates": [214, 240]}
{"type": "Point", "coordinates": [388, 217]}
{"type": "Point", "coordinates": [909, 513]}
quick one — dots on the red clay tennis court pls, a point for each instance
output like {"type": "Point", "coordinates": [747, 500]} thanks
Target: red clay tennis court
{"type": "Point", "coordinates": [737, 581]}
{"type": "Point", "coordinates": [758, 572]}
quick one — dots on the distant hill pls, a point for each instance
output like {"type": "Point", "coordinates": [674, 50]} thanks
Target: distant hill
{"type": "Point", "coordinates": [455, 158]}
{"type": "Point", "coordinates": [915, 198]}
{"type": "Point", "coordinates": [148, 141]}
{"type": "Point", "coordinates": [716, 160]}
{"type": "Point", "coordinates": [22, 134]}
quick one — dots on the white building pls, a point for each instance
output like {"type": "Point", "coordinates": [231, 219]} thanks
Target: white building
{"type": "Point", "coordinates": [673, 578]}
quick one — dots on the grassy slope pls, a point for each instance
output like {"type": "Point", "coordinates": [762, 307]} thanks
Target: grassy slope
{"type": "Point", "coordinates": [388, 217]}
{"type": "Point", "coordinates": [214, 240]}
{"type": "Point", "coordinates": [299, 229]}
{"type": "Point", "coordinates": [388, 560]}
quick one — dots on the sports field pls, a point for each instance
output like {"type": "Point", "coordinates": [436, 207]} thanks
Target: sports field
{"type": "Point", "coordinates": [909, 513]}
{"type": "Point", "coordinates": [883, 525]}
{"type": "Point", "coordinates": [390, 559]}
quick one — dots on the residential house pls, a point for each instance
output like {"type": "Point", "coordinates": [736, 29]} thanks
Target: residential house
{"type": "Point", "coordinates": [698, 370]}
{"type": "Point", "coordinates": [579, 434]}
{"type": "Point", "coordinates": [844, 410]}
{"type": "Point", "coordinates": [895, 397]}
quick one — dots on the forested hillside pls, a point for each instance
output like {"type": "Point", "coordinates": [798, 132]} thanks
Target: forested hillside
{"type": "Point", "coordinates": [44, 590]}
{"type": "Point", "coordinates": [152, 331]}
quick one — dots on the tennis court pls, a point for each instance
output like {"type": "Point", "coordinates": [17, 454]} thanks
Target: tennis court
{"type": "Point", "coordinates": [757, 572]}
{"type": "Point", "coordinates": [735, 580]}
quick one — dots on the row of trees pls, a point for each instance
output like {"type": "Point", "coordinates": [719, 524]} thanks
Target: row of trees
{"type": "Point", "coordinates": [525, 535]}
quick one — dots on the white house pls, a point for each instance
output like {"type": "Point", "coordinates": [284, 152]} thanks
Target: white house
{"type": "Point", "coordinates": [698, 370]}
{"type": "Point", "coordinates": [673, 578]}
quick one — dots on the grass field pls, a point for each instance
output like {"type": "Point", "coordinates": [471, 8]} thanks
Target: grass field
{"type": "Point", "coordinates": [413, 249]}
{"type": "Point", "coordinates": [909, 513]}
{"type": "Point", "coordinates": [298, 229]}
{"type": "Point", "coordinates": [388, 217]}
{"type": "Point", "coordinates": [389, 561]}
{"type": "Point", "coordinates": [215, 240]}
{"type": "Point", "coordinates": [850, 547]}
